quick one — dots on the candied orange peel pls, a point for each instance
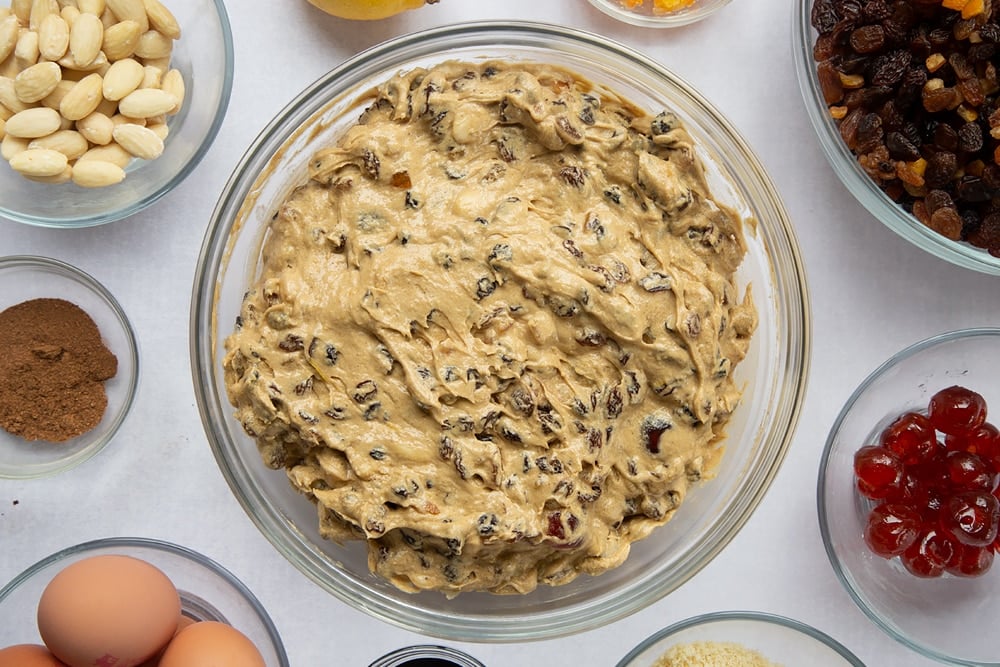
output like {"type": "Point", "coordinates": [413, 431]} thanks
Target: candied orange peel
{"type": "Point", "coordinates": [969, 8]}
{"type": "Point", "coordinates": [666, 6]}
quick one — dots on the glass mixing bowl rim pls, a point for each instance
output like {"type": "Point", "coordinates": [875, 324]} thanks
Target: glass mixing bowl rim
{"type": "Point", "coordinates": [292, 545]}
{"type": "Point", "coordinates": [741, 615]}
{"type": "Point", "coordinates": [845, 164]}
{"type": "Point", "coordinates": [218, 116]}
{"type": "Point", "coordinates": [842, 573]}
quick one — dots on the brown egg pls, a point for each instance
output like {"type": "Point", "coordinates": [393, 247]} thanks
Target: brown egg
{"type": "Point", "coordinates": [28, 655]}
{"type": "Point", "coordinates": [211, 644]}
{"type": "Point", "coordinates": [108, 610]}
{"type": "Point", "coordinates": [155, 660]}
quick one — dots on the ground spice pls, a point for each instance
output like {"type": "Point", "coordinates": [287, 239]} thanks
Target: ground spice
{"type": "Point", "coordinates": [53, 365]}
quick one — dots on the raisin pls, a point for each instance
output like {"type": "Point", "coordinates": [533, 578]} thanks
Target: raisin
{"type": "Point", "coordinates": [945, 137]}
{"type": "Point", "coordinates": [941, 167]}
{"type": "Point", "coordinates": [987, 236]}
{"type": "Point", "coordinates": [870, 133]}
{"type": "Point", "coordinates": [823, 16]}
{"type": "Point", "coordinates": [868, 39]}
{"type": "Point", "coordinates": [889, 68]}
{"type": "Point", "coordinates": [973, 189]}
{"type": "Point", "coordinates": [970, 137]}
{"type": "Point", "coordinates": [829, 82]}
{"type": "Point", "coordinates": [901, 148]}
{"type": "Point", "coordinates": [947, 222]}
{"type": "Point", "coordinates": [937, 199]}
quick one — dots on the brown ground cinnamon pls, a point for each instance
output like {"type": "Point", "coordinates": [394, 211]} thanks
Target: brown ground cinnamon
{"type": "Point", "coordinates": [53, 365]}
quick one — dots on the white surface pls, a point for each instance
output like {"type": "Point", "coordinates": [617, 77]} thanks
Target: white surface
{"type": "Point", "coordinates": [872, 294]}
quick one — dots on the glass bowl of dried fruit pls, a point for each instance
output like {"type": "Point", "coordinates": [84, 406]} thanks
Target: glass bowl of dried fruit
{"type": "Point", "coordinates": [908, 499]}
{"type": "Point", "coordinates": [98, 127]}
{"type": "Point", "coordinates": [903, 98]}
{"type": "Point", "coordinates": [496, 465]}
{"type": "Point", "coordinates": [659, 13]}
{"type": "Point", "coordinates": [69, 367]}
{"type": "Point", "coordinates": [740, 638]}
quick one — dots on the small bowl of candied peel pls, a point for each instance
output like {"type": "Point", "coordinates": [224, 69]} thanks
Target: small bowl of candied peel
{"type": "Point", "coordinates": [909, 507]}
{"type": "Point", "coordinates": [903, 97]}
{"type": "Point", "coordinates": [659, 13]}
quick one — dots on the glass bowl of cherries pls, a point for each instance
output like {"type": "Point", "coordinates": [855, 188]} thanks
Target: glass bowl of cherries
{"type": "Point", "coordinates": [908, 498]}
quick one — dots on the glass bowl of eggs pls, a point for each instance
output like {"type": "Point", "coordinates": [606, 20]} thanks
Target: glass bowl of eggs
{"type": "Point", "coordinates": [133, 601]}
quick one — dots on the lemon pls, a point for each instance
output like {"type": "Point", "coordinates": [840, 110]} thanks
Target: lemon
{"type": "Point", "coordinates": [367, 10]}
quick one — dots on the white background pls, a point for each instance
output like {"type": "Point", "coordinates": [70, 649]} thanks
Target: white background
{"type": "Point", "coordinates": [872, 294]}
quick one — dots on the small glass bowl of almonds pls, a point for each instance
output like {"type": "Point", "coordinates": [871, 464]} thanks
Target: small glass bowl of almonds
{"type": "Point", "coordinates": [106, 105]}
{"type": "Point", "coordinates": [659, 13]}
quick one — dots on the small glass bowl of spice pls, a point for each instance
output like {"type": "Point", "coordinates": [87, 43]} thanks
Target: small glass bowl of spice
{"type": "Point", "coordinates": [69, 366]}
{"type": "Point", "coordinates": [905, 99]}
{"type": "Point", "coordinates": [659, 13]}
{"type": "Point", "coordinates": [740, 638]}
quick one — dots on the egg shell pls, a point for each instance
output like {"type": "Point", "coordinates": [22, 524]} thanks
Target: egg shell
{"type": "Point", "coordinates": [108, 610]}
{"type": "Point", "coordinates": [28, 655]}
{"type": "Point", "coordinates": [211, 644]}
{"type": "Point", "coordinates": [155, 660]}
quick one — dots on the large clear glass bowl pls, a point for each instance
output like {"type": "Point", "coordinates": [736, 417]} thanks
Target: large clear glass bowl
{"type": "Point", "coordinates": [208, 591]}
{"type": "Point", "coordinates": [845, 164]}
{"type": "Point", "coordinates": [781, 640]}
{"type": "Point", "coordinates": [949, 619]}
{"type": "Point", "coordinates": [204, 56]}
{"type": "Point", "coordinates": [774, 372]}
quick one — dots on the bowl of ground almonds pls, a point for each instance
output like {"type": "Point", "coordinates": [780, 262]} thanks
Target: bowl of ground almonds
{"type": "Point", "coordinates": [903, 98]}
{"type": "Point", "coordinates": [499, 332]}
{"type": "Point", "coordinates": [740, 639]}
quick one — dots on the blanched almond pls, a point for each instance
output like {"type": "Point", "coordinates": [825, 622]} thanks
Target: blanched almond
{"type": "Point", "coordinates": [173, 83]}
{"type": "Point", "coordinates": [161, 19]}
{"type": "Point", "coordinates": [112, 153]}
{"type": "Point", "coordinates": [86, 39]}
{"type": "Point", "coordinates": [154, 45]}
{"type": "Point", "coordinates": [95, 7]}
{"type": "Point", "coordinates": [146, 103]}
{"type": "Point", "coordinates": [53, 37]}
{"type": "Point", "coordinates": [122, 78]}
{"type": "Point", "coordinates": [36, 82]}
{"type": "Point", "coordinates": [39, 162]}
{"type": "Point", "coordinates": [61, 177]}
{"type": "Point", "coordinates": [69, 14]}
{"type": "Point", "coordinates": [139, 141]}
{"type": "Point", "coordinates": [3, 129]}
{"type": "Point", "coordinates": [152, 77]}
{"type": "Point", "coordinates": [9, 28]}
{"type": "Point", "coordinates": [8, 96]}
{"type": "Point", "coordinates": [83, 99]}
{"type": "Point", "coordinates": [39, 10]}
{"type": "Point", "coordinates": [54, 99]}
{"type": "Point", "coordinates": [159, 129]}
{"type": "Point", "coordinates": [96, 128]}
{"type": "Point", "coordinates": [70, 143]}
{"type": "Point", "coordinates": [97, 174]}
{"type": "Point", "coordinates": [34, 123]}
{"type": "Point", "coordinates": [132, 10]}
{"type": "Point", "coordinates": [11, 146]}
{"type": "Point", "coordinates": [22, 10]}
{"type": "Point", "coordinates": [121, 39]}
{"type": "Point", "coordinates": [26, 49]}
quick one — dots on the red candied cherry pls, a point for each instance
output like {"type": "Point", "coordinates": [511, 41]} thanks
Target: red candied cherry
{"type": "Point", "coordinates": [911, 437]}
{"type": "Point", "coordinates": [968, 472]}
{"type": "Point", "coordinates": [956, 410]}
{"type": "Point", "coordinates": [970, 561]}
{"type": "Point", "coordinates": [929, 555]}
{"type": "Point", "coordinates": [971, 517]}
{"type": "Point", "coordinates": [892, 528]}
{"type": "Point", "coordinates": [983, 441]}
{"type": "Point", "coordinates": [878, 471]}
